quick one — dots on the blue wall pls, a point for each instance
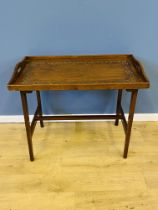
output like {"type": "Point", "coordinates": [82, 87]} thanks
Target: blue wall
{"type": "Point", "coordinates": [57, 27]}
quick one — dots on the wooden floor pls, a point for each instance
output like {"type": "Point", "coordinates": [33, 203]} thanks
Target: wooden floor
{"type": "Point", "coordinates": [79, 166]}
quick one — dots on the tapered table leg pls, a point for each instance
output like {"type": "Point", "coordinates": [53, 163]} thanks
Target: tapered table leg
{"type": "Point", "coordinates": [27, 123]}
{"type": "Point", "coordinates": [119, 97]}
{"type": "Point", "coordinates": [130, 121]}
{"type": "Point", "coordinates": [40, 107]}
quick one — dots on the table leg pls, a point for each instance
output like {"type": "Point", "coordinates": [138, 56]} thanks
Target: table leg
{"type": "Point", "coordinates": [119, 97]}
{"type": "Point", "coordinates": [130, 121]}
{"type": "Point", "coordinates": [40, 107]}
{"type": "Point", "coordinates": [27, 123]}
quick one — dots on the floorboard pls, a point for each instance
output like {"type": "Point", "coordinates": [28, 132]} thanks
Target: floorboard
{"type": "Point", "coordinates": [79, 166]}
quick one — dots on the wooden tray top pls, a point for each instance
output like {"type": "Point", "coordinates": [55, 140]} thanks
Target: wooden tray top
{"type": "Point", "coordinates": [91, 72]}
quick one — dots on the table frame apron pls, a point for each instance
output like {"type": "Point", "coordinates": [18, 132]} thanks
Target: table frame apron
{"type": "Point", "coordinates": [38, 116]}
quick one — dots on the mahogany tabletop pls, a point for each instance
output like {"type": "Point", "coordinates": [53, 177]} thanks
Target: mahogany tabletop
{"type": "Point", "coordinates": [84, 72]}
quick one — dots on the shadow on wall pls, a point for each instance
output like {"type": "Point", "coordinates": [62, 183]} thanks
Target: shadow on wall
{"type": "Point", "coordinates": [80, 102]}
{"type": "Point", "coordinates": [76, 102]}
{"type": "Point", "coordinates": [147, 101]}
{"type": "Point", "coordinates": [10, 102]}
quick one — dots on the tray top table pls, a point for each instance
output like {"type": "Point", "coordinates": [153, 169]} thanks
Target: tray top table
{"type": "Point", "coordinates": [85, 72]}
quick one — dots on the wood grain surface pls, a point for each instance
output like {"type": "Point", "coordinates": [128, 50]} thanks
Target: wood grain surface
{"type": "Point", "coordinates": [78, 73]}
{"type": "Point", "coordinates": [80, 168]}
